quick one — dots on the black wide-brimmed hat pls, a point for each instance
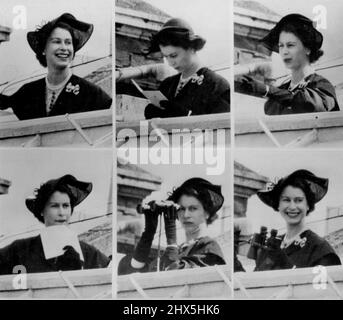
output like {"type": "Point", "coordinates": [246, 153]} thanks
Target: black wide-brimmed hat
{"type": "Point", "coordinates": [78, 191]}
{"type": "Point", "coordinates": [82, 31]}
{"type": "Point", "coordinates": [177, 28]}
{"type": "Point", "coordinates": [205, 191]}
{"type": "Point", "coordinates": [271, 41]}
{"type": "Point", "coordinates": [318, 187]}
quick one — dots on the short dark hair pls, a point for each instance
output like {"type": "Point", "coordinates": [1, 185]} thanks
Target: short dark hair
{"type": "Point", "coordinates": [304, 33]}
{"type": "Point", "coordinates": [43, 195]}
{"type": "Point", "coordinates": [305, 187]}
{"type": "Point", "coordinates": [45, 33]}
{"type": "Point", "coordinates": [172, 39]}
{"type": "Point", "coordinates": [204, 199]}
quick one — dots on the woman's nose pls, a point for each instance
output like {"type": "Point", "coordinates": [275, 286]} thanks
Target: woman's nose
{"type": "Point", "coordinates": [186, 213]}
{"type": "Point", "coordinates": [292, 205]}
{"type": "Point", "coordinates": [61, 211]}
{"type": "Point", "coordinates": [63, 45]}
{"type": "Point", "coordinates": [284, 51]}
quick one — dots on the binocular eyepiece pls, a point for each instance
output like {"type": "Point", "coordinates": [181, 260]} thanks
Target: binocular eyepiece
{"type": "Point", "coordinates": [158, 207]}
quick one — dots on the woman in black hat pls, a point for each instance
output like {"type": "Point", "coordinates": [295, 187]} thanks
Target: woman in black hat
{"type": "Point", "coordinates": [299, 44]}
{"type": "Point", "coordinates": [60, 92]}
{"type": "Point", "coordinates": [294, 197]}
{"type": "Point", "coordinates": [53, 205]}
{"type": "Point", "coordinates": [195, 90]}
{"type": "Point", "coordinates": [197, 201]}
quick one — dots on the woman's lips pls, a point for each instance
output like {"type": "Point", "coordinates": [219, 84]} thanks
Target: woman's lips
{"type": "Point", "coordinates": [61, 221]}
{"type": "Point", "coordinates": [62, 55]}
{"type": "Point", "coordinates": [287, 60]}
{"type": "Point", "coordinates": [292, 214]}
{"type": "Point", "coordinates": [187, 223]}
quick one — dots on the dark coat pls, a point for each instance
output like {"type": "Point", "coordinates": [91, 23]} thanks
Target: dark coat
{"type": "Point", "coordinates": [79, 95]}
{"type": "Point", "coordinates": [313, 251]}
{"type": "Point", "coordinates": [202, 253]}
{"type": "Point", "coordinates": [209, 94]}
{"type": "Point", "coordinates": [29, 253]}
{"type": "Point", "coordinates": [317, 96]}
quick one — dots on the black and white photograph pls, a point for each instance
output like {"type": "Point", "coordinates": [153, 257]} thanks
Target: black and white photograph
{"type": "Point", "coordinates": [174, 236]}
{"type": "Point", "coordinates": [288, 224]}
{"type": "Point", "coordinates": [287, 66]}
{"type": "Point", "coordinates": [56, 224]}
{"type": "Point", "coordinates": [171, 69]}
{"type": "Point", "coordinates": [56, 73]}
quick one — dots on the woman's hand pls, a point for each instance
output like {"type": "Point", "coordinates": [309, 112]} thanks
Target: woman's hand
{"type": "Point", "coordinates": [142, 250]}
{"type": "Point", "coordinates": [247, 84]}
{"type": "Point", "coordinates": [170, 215]}
{"type": "Point", "coordinates": [70, 260]}
{"type": "Point", "coordinates": [151, 221]}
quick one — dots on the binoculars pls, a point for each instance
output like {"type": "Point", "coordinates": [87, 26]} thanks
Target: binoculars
{"type": "Point", "coordinates": [261, 240]}
{"type": "Point", "coordinates": [159, 207]}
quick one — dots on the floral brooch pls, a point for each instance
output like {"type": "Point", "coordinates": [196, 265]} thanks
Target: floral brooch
{"type": "Point", "coordinates": [74, 89]}
{"type": "Point", "coordinates": [300, 242]}
{"type": "Point", "coordinates": [198, 79]}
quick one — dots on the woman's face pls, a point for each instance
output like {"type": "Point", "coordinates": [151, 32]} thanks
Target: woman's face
{"type": "Point", "coordinates": [292, 51]}
{"type": "Point", "coordinates": [293, 205]}
{"type": "Point", "coordinates": [57, 210]}
{"type": "Point", "coordinates": [191, 213]}
{"type": "Point", "coordinates": [179, 58]}
{"type": "Point", "coordinates": [59, 50]}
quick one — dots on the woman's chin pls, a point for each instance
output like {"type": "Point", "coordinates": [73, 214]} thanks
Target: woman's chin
{"type": "Point", "coordinates": [191, 228]}
{"type": "Point", "coordinates": [60, 66]}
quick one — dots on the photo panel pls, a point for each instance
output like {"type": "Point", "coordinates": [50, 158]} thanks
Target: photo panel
{"type": "Point", "coordinates": [56, 74]}
{"type": "Point", "coordinates": [174, 224]}
{"type": "Point", "coordinates": [56, 224]}
{"type": "Point", "coordinates": [287, 224]}
{"type": "Point", "coordinates": [171, 68]}
{"type": "Point", "coordinates": [287, 65]}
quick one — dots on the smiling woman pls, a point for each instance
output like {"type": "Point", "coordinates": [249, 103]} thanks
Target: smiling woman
{"type": "Point", "coordinates": [61, 92]}
{"type": "Point", "coordinates": [53, 205]}
{"type": "Point", "coordinates": [294, 197]}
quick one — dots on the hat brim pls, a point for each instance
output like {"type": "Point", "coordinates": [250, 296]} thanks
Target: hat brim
{"type": "Point", "coordinates": [271, 40]}
{"type": "Point", "coordinates": [79, 191]}
{"type": "Point", "coordinates": [318, 187]}
{"type": "Point", "coordinates": [199, 184]}
{"type": "Point", "coordinates": [194, 40]}
{"type": "Point", "coordinates": [82, 31]}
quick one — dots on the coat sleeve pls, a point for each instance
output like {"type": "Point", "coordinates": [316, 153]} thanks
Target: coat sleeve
{"type": "Point", "coordinates": [93, 257]}
{"type": "Point", "coordinates": [219, 97]}
{"type": "Point", "coordinates": [5, 102]}
{"type": "Point", "coordinates": [13, 101]}
{"type": "Point", "coordinates": [7, 259]}
{"type": "Point", "coordinates": [98, 99]}
{"type": "Point", "coordinates": [318, 96]}
{"type": "Point", "coordinates": [323, 254]}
